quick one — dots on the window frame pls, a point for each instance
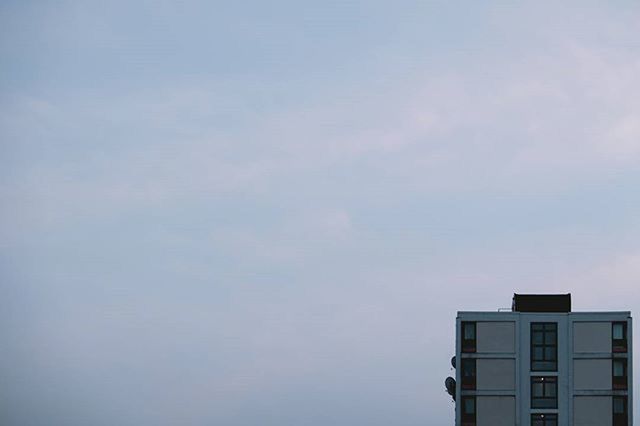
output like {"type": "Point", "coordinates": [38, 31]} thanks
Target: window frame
{"type": "Point", "coordinates": [544, 345]}
{"type": "Point", "coordinates": [620, 419]}
{"type": "Point", "coordinates": [619, 345]}
{"type": "Point", "coordinates": [468, 345]}
{"type": "Point", "coordinates": [544, 380]}
{"type": "Point", "coordinates": [620, 382]}
{"type": "Point", "coordinates": [469, 419]}
{"type": "Point", "coordinates": [468, 382]}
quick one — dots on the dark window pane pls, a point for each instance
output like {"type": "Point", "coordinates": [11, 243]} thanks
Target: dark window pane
{"type": "Point", "coordinates": [618, 368]}
{"type": "Point", "coordinates": [468, 336]}
{"type": "Point", "coordinates": [544, 403]}
{"type": "Point", "coordinates": [550, 338]}
{"type": "Point", "coordinates": [619, 337]}
{"type": "Point", "coordinates": [538, 353]}
{"type": "Point", "coordinates": [550, 389]}
{"type": "Point", "coordinates": [544, 366]}
{"type": "Point", "coordinates": [468, 373]}
{"type": "Point", "coordinates": [544, 392]}
{"type": "Point", "coordinates": [551, 403]}
{"type": "Point", "coordinates": [550, 353]}
{"type": "Point", "coordinates": [537, 337]}
{"type": "Point", "coordinates": [469, 405]}
{"type": "Point", "coordinates": [544, 344]}
{"type": "Point", "coordinates": [537, 390]}
{"type": "Point", "coordinates": [620, 414]}
{"type": "Point", "coordinates": [469, 331]}
{"type": "Point", "coordinates": [468, 366]}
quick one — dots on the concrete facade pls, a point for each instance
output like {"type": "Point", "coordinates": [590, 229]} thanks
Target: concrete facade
{"type": "Point", "coordinates": [591, 374]}
{"type": "Point", "coordinates": [592, 411]}
{"type": "Point", "coordinates": [496, 411]}
{"type": "Point", "coordinates": [580, 386]}
{"type": "Point", "coordinates": [591, 337]}
{"type": "Point", "coordinates": [496, 374]}
{"type": "Point", "coordinates": [496, 337]}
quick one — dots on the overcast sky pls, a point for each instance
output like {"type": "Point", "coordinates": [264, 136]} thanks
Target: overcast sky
{"type": "Point", "coordinates": [267, 213]}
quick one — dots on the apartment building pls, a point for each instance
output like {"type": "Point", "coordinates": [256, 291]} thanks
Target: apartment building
{"type": "Point", "coordinates": [541, 364]}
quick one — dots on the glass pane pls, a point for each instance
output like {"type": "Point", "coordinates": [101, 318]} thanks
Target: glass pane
{"type": "Point", "coordinates": [538, 354]}
{"type": "Point", "coordinates": [537, 389]}
{"type": "Point", "coordinates": [618, 405]}
{"type": "Point", "coordinates": [469, 406]}
{"type": "Point", "coordinates": [618, 368]}
{"type": "Point", "coordinates": [468, 368]}
{"type": "Point", "coordinates": [542, 403]}
{"type": "Point", "coordinates": [618, 331]}
{"type": "Point", "coordinates": [552, 422]}
{"type": "Point", "coordinates": [469, 331]}
{"type": "Point", "coordinates": [545, 366]}
{"type": "Point", "coordinates": [537, 422]}
{"type": "Point", "coordinates": [537, 327]}
{"type": "Point", "coordinates": [550, 354]}
{"type": "Point", "coordinates": [550, 338]}
{"type": "Point", "coordinates": [550, 389]}
{"type": "Point", "coordinates": [537, 337]}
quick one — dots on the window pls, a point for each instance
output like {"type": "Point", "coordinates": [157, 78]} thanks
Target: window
{"type": "Point", "coordinates": [468, 373]}
{"type": "Point", "coordinates": [544, 346]}
{"type": "Point", "coordinates": [468, 411]}
{"type": "Point", "coordinates": [619, 373]}
{"type": "Point", "coordinates": [544, 392]}
{"type": "Point", "coordinates": [468, 336]}
{"type": "Point", "coordinates": [619, 334]}
{"type": "Point", "coordinates": [620, 416]}
{"type": "Point", "coordinates": [544, 420]}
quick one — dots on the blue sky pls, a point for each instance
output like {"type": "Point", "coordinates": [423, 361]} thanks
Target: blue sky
{"type": "Point", "coordinates": [268, 213]}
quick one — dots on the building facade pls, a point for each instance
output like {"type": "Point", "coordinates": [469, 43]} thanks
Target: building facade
{"type": "Point", "coordinates": [542, 365]}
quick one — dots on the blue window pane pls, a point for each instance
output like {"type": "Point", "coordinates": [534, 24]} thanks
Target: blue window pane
{"type": "Point", "coordinates": [538, 337]}
{"type": "Point", "coordinates": [550, 338]}
{"type": "Point", "coordinates": [550, 354]}
{"type": "Point", "coordinates": [618, 331]}
{"type": "Point", "coordinates": [538, 353]}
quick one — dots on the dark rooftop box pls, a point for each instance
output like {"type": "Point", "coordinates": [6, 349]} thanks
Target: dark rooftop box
{"type": "Point", "coordinates": [541, 303]}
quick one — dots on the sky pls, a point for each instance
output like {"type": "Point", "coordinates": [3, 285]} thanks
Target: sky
{"type": "Point", "coordinates": [268, 213]}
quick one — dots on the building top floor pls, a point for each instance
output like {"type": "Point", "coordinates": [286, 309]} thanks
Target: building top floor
{"type": "Point", "coordinates": [513, 332]}
{"type": "Point", "coordinates": [511, 315]}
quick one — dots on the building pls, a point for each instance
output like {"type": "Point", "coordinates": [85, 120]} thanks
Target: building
{"type": "Point", "coordinates": [542, 365]}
